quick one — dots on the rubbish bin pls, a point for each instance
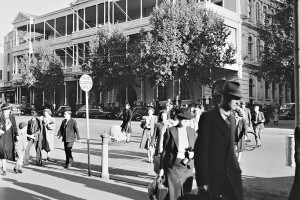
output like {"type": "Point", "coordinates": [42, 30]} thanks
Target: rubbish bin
{"type": "Point", "coordinates": [290, 151]}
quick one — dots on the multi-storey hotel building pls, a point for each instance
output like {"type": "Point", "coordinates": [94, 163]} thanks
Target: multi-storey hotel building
{"type": "Point", "coordinates": [68, 31]}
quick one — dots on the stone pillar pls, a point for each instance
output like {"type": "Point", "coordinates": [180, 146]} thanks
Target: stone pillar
{"type": "Point", "coordinates": [104, 170]}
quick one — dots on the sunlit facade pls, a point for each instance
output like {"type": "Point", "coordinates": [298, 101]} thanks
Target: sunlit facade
{"type": "Point", "coordinates": [68, 31]}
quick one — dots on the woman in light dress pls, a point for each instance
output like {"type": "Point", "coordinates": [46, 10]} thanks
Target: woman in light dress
{"type": "Point", "coordinates": [48, 132]}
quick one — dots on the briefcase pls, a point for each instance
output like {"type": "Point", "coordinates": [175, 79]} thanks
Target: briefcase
{"type": "Point", "coordinates": [162, 191]}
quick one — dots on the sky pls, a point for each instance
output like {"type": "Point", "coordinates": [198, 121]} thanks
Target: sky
{"type": "Point", "coordinates": [10, 8]}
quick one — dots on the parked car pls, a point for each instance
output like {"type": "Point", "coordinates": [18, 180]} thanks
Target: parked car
{"type": "Point", "coordinates": [287, 111]}
{"type": "Point", "coordinates": [60, 111]}
{"type": "Point", "coordinates": [138, 113]}
{"type": "Point", "coordinates": [16, 109]}
{"type": "Point", "coordinates": [26, 108]}
{"type": "Point", "coordinates": [94, 111]}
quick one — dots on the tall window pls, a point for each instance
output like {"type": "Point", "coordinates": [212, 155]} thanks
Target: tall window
{"type": "Point", "coordinates": [257, 11]}
{"type": "Point", "coordinates": [280, 89]}
{"type": "Point", "coordinates": [184, 92]}
{"type": "Point", "coordinates": [8, 76]}
{"type": "Point", "coordinates": [258, 49]}
{"type": "Point", "coordinates": [8, 58]}
{"type": "Point", "coordinates": [0, 74]}
{"type": "Point", "coordinates": [162, 93]}
{"type": "Point", "coordinates": [250, 46]}
{"type": "Point", "coordinates": [249, 9]}
{"type": "Point", "coordinates": [273, 90]}
{"type": "Point", "coordinates": [266, 89]}
{"type": "Point", "coordinates": [251, 87]}
{"type": "Point", "coordinates": [286, 92]}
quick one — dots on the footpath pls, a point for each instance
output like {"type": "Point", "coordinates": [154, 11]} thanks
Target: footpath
{"type": "Point", "coordinates": [265, 176]}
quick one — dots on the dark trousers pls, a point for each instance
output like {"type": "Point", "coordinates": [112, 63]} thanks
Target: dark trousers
{"type": "Point", "coordinates": [68, 150]}
{"type": "Point", "coordinates": [38, 150]}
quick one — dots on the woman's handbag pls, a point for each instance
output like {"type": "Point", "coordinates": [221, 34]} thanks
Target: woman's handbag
{"type": "Point", "coordinates": [143, 123]}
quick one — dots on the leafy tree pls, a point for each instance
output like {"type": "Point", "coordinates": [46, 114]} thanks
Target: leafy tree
{"type": "Point", "coordinates": [109, 60]}
{"type": "Point", "coordinates": [186, 42]}
{"type": "Point", "coordinates": [277, 60]}
{"type": "Point", "coordinates": [42, 71]}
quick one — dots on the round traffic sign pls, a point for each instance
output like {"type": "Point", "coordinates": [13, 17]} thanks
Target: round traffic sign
{"type": "Point", "coordinates": [86, 82]}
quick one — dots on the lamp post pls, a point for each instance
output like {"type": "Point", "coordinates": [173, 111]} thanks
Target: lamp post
{"type": "Point", "coordinates": [295, 192]}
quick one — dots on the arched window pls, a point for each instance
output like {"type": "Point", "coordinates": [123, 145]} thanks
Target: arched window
{"type": "Point", "coordinates": [251, 87]}
{"type": "Point", "coordinates": [257, 7]}
{"type": "Point", "coordinates": [250, 47]}
{"type": "Point", "coordinates": [266, 89]}
{"type": "Point", "coordinates": [249, 9]}
{"type": "Point", "coordinates": [258, 49]}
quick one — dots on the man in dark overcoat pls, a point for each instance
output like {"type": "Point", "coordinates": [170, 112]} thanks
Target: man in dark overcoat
{"type": "Point", "coordinates": [127, 115]}
{"type": "Point", "coordinates": [34, 129]}
{"type": "Point", "coordinates": [69, 133]}
{"type": "Point", "coordinates": [216, 164]}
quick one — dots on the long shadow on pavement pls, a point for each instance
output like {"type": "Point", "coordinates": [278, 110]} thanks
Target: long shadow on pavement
{"type": "Point", "coordinates": [14, 194]}
{"type": "Point", "coordinates": [42, 190]}
{"type": "Point", "coordinates": [97, 184]}
{"type": "Point", "coordinates": [258, 188]}
{"type": "Point", "coordinates": [121, 174]}
{"type": "Point", "coordinates": [116, 154]}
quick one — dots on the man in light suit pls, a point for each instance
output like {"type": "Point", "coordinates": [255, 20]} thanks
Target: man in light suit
{"type": "Point", "coordinates": [216, 164]}
{"type": "Point", "coordinates": [69, 133]}
{"type": "Point", "coordinates": [258, 120]}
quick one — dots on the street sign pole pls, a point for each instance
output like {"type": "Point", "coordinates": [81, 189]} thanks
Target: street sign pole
{"type": "Point", "coordinates": [86, 83]}
{"type": "Point", "coordinates": [88, 130]}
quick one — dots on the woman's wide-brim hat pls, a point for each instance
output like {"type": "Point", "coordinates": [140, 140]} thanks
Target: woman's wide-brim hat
{"type": "Point", "coordinates": [6, 106]}
{"type": "Point", "coordinates": [233, 89]}
{"type": "Point", "coordinates": [184, 113]}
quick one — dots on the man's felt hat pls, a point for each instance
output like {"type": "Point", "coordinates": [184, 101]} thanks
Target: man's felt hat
{"type": "Point", "coordinates": [184, 113]}
{"type": "Point", "coordinates": [232, 88]}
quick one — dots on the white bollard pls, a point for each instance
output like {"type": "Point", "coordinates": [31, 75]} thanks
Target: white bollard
{"type": "Point", "coordinates": [290, 151]}
{"type": "Point", "coordinates": [105, 140]}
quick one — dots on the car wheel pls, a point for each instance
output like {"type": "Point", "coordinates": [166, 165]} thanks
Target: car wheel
{"type": "Point", "coordinates": [108, 116]}
{"type": "Point", "coordinates": [289, 116]}
{"type": "Point", "coordinates": [83, 115]}
{"type": "Point", "coordinates": [138, 118]}
{"type": "Point", "coordinates": [59, 114]}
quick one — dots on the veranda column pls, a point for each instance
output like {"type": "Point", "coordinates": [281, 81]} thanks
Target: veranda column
{"type": "Point", "coordinates": [33, 97]}
{"type": "Point", "coordinates": [17, 95]}
{"type": "Point", "coordinates": [141, 90]}
{"type": "Point", "coordinates": [43, 98]}
{"type": "Point", "coordinates": [20, 94]}
{"type": "Point", "coordinates": [77, 93]}
{"type": "Point", "coordinates": [65, 93]}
